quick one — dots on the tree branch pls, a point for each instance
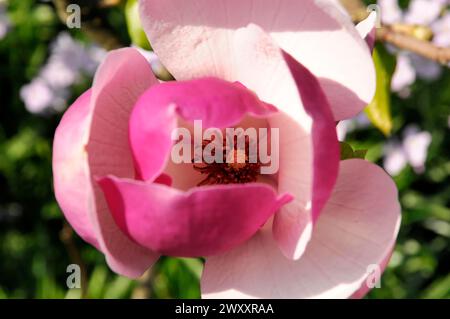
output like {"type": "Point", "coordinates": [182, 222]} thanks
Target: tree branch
{"type": "Point", "coordinates": [423, 48]}
{"type": "Point", "coordinates": [406, 37]}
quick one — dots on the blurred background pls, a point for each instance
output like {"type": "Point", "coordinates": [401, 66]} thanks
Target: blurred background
{"type": "Point", "coordinates": [44, 66]}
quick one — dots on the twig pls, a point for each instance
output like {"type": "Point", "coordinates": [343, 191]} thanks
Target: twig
{"type": "Point", "coordinates": [424, 48]}
{"type": "Point", "coordinates": [405, 37]}
{"type": "Point", "coordinates": [143, 290]}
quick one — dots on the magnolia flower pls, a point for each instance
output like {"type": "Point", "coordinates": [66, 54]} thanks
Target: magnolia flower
{"type": "Point", "coordinates": [316, 228]}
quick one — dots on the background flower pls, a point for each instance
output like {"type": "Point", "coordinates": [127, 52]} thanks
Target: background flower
{"type": "Point", "coordinates": [426, 13]}
{"type": "Point", "coordinates": [413, 150]}
{"type": "Point", "coordinates": [68, 61]}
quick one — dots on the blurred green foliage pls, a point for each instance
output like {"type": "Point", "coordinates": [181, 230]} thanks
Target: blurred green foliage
{"type": "Point", "coordinates": [33, 256]}
{"type": "Point", "coordinates": [347, 152]}
{"type": "Point", "coordinates": [135, 30]}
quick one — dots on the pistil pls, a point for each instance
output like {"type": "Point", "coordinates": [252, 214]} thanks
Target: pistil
{"type": "Point", "coordinates": [234, 169]}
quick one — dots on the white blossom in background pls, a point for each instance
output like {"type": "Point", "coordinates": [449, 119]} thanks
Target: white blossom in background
{"type": "Point", "coordinates": [409, 65]}
{"type": "Point", "coordinates": [69, 60]}
{"type": "Point", "coordinates": [413, 150]}
{"type": "Point", "coordinates": [4, 20]}
{"type": "Point", "coordinates": [394, 158]}
{"type": "Point", "coordinates": [404, 74]}
{"type": "Point", "coordinates": [416, 144]}
{"type": "Point", "coordinates": [425, 68]}
{"type": "Point", "coordinates": [37, 95]}
{"type": "Point", "coordinates": [359, 122]}
{"type": "Point", "coordinates": [423, 12]}
{"type": "Point", "coordinates": [390, 11]}
{"type": "Point", "coordinates": [441, 30]}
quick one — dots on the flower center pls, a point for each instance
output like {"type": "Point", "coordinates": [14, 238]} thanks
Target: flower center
{"type": "Point", "coordinates": [237, 159]}
{"type": "Point", "coordinates": [235, 168]}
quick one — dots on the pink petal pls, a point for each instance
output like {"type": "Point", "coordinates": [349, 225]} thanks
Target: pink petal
{"type": "Point", "coordinates": [308, 142]}
{"type": "Point", "coordinates": [365, 288]}
{"type": "Point", "coordinates": [293, 225]}
{"type": "Point", "coordinates": [367, 29]}
{"type": "Point", "coordinates": [203, 222]}
{"type": "Point", "coordinates": [69, 176]}
{"type": "Point", "coordinates": [197, 39]}
{"type": "Point", "coordinates": [96, 142]}
{"type": "Point", "coordinates": [217, 103]}
{"type": "Point", "coordinates": [357, 229]}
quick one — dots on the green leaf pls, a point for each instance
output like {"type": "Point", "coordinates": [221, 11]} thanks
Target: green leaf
{"type": "Point", "coordinates": [360, 154]}
{"type": "Point", "coordinates": [134, 25]}
{"type": "Point", "coordinates": [379, 110]}
{"type": "Point", "coordinates": [195, 266]}
{"type": "Point", "coordinates": [347, 152]}
{"type": "Point", "coordinates": [119, 288]}
{"type": "Point", "coordinates": [439, 289]}
{"type": "Point", "coordinates": [97, 282]}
